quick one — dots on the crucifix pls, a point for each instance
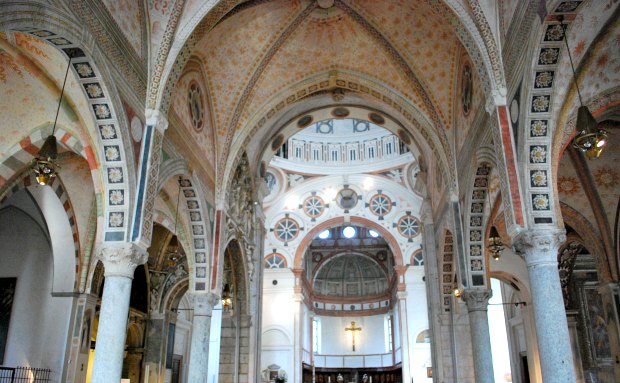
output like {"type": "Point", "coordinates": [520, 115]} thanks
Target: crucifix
{"type": "Point", "coordinates": [353, 329]}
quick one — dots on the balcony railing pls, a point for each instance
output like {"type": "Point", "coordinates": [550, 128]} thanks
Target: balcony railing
{"type": "Point", "coordinates": [25, 375]}
{"type": "Point", "coordinates": [354, 361]}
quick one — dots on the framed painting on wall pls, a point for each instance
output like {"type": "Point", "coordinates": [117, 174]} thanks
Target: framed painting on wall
{"type": "Point", "coordinates": [7, 294]}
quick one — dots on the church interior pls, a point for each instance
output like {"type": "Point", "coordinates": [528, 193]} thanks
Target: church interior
{"type": "Point", "coordinates": [309, 191]}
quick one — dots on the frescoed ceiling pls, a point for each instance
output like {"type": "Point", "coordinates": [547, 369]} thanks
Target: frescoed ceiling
{"type": "Point", "coordinates": [261, 48]}
{"type": "Point", "coordinates": [31, 74]}
{"type": "Point", "coordinates": [128, 16]}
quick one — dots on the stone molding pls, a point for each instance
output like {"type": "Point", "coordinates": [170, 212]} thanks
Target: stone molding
{"type": "Point", "coordinates": [156, 118]}
{"type": "Point", "coordinates": [539, 247]}
{"type": "Point", "coordinates": [477, 299]}
{"type": "Point", "coordinates": [204, 303]}
{"type": "Point", "coordinates": [121, 259]}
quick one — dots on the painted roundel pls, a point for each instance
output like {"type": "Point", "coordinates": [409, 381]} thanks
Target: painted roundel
{"type": "Point", "coordinates": [408, 226]}
{"type": "Point", "coordinates": [380, 204]}
{"type": "Point", "coordinates": [196, 105]}
{"type": "Point", "coordinates": [286, 229]}
{"type": "Point", "coordinates": [314, 206]}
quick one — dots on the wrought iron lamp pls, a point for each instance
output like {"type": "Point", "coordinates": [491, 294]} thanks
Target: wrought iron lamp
{"type": "Point", "coordinates": [590, 139]}
{"type": "Point", "coordinates": [226, 298]}
{"type": "Point", "coordinates": [495, 244]}
{"type": "Point", "coordinates": [44, 165]}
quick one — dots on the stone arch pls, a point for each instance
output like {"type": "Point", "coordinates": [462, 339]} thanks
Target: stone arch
{"type": "Point", "coordinates": [361, 92]}
{"type": "Point", "coordinates": [447, 270]}
{"type": "Point", "coordinates": [338, 221]}
{"type": "Point", "coordinates": [590, 240]}
{"type": "Point", "coordinates": [88, 65]}
{"type": "Point", "coordinates": [198, 237]}
{"type": "Point", "coordinates": [475, 266]}
{"type": "Point", "coordinates": [24, 181]}
{"type": "Point", "coordinates": [543, 113]}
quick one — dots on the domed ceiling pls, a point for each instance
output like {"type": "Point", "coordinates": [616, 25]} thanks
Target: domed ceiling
{"type": "Point", "coordinates": [350, 275]}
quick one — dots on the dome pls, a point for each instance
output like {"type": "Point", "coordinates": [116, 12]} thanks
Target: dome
{"type": "Point", "coordinates": [350, 275]}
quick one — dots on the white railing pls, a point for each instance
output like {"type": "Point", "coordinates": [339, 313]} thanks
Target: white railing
{"type": "Point", "coordinates": [357, 361]}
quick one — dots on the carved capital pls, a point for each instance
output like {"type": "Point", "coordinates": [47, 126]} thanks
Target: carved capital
{"type": "Point", "coordinates": [121, 259]}
{"type": "Point", "coordinates": [477, 299]}
{"type": "Point", "coordinates": [539, 247]}
{"type": "Point", "coordinates": [204, 303]}
{"type": "Point", "coordinates": [156, 118]}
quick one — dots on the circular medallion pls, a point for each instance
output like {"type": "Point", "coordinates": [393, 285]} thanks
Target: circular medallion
{"type": "Point", "coordinates": [136, 129]}
{"type": "Point", "coordinates": [408, 226]}
{"type": "Point", "coordinates": [514, 111]}
{"type": "Point", "coordinates": [380, 204]}
{"type": "Point", "coordinates": [196, 105]}
{"type": "Point", "coordinates": [314, 206]}
{"type": "Point", "coordinates": [286, 229]}
{"type": "Point", "coordinates": [347, 198]}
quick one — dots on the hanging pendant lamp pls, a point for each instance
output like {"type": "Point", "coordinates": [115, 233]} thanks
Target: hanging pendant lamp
{"type": "Point", "coordinates": [44, 165]}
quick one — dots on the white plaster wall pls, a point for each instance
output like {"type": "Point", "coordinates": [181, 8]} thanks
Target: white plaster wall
{"type": "Point", "coordinates": [278, 321]}
{"type": "Point", "coordinates": [337, 341]}
{"type": "Point", "coordinates": [417, 315]}
{"type": "Point", "coordinates": [39, 323]}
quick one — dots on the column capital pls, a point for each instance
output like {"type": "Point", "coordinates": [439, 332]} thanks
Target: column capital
{"type": "Point", "coordinates": [121, 259]}
{"type": "Point", "coordinates": [477, 299]}
{"type": "Point", "coordinates": [155, 117]}
{"type": "Point", "coordinates": [204, 303]}
{"type": "Point", "coordinates": [539, 247]}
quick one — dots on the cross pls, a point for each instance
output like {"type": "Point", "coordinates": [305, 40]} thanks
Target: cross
{"type": "Point", "coordinates": [353, 329]}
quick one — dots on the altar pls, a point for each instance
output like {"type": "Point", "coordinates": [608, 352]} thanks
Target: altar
{"type": "Point", "coordinates": [353, 375]}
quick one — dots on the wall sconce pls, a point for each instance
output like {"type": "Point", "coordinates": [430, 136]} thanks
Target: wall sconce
{"type": "Point", "coordinates": [590, 139]}
{"type": "Point", "coordinates": [495, 244]}
{"type": "Point", "coordinates": [226, 298]}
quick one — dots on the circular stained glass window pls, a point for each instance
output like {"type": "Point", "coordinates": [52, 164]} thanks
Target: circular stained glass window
{"type": "Point", "coordinates": [324, 234]}
{"type": "Point", "coordinates": [286, 229]}
{"type": "Point", "coordinates": [314, 206]}
{"type": "Point", "coordinates": [380, 204]}
{"type": "Point", "coordinates": [373, 233]}
{"type": "Point", "coordinates": [408, 226]}
{"type": "Point", "coordinates": [196, 109]}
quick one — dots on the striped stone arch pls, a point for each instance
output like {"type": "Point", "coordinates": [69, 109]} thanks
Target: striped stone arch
{"type": "Point", "coordinates": [541, 203]}
{"type": "Point", "coordinates": [108, 156]}
{"type": "Point", "coordinates": [447, 270]}
{"type": "Point", "coordinates": [27, 179]}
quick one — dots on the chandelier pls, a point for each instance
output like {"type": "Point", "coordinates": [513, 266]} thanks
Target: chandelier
{"type": "Point", "coordinates": [590, 139]}
{"type": "Point", "coordinates": [495, 244]}
{"type": "Point", "coordinates": [44, 165]}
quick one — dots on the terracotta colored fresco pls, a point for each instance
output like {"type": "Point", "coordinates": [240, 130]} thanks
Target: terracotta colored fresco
{"type": "Point", "coordinates": [426, 40]}
{"type": "Point", "coordinates": [127, 16]}
{"type": "Point", "coordinates": [31, 98]}
{"type": "Point", "coordinates": [180, 104]}
{"type": "Point", "coordinates": [320, 45]}
{"type": "Point", "coordinates": [235, 47]}
{"type": "Point", "coordinates": [507, 9]}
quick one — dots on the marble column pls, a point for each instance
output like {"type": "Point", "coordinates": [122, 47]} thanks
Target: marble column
{"type": "Point", "coordinates": [119, 261]}
{"type": "Point", "coordinates": [540, 251]}
{"type": "Point", "coordinates": [477, 301]}
{"type": "Point", "coordinates": [201, 328]}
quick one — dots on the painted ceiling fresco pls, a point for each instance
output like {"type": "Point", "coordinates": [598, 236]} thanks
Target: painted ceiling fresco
{"type": "Point", "coordinates": [127, 15]}
{"type": "Point", "coordinates": [202, 132]}
{"type": "Point", "coordinates": [606, 179]}
{"type": "Point", "coordinates": [32, 94]}
{"type": "Point", "coordinates": [261, 49]}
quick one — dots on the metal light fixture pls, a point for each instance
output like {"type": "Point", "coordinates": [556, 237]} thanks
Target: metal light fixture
{"type": "Point", "coordinates": [44, 165]}
{"type": "Point", "coordinates": [590, 139]}
{"type": "Point", "coordinates": [226, 298]}
{"type": "Point", "coordinates": [495, 244]}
